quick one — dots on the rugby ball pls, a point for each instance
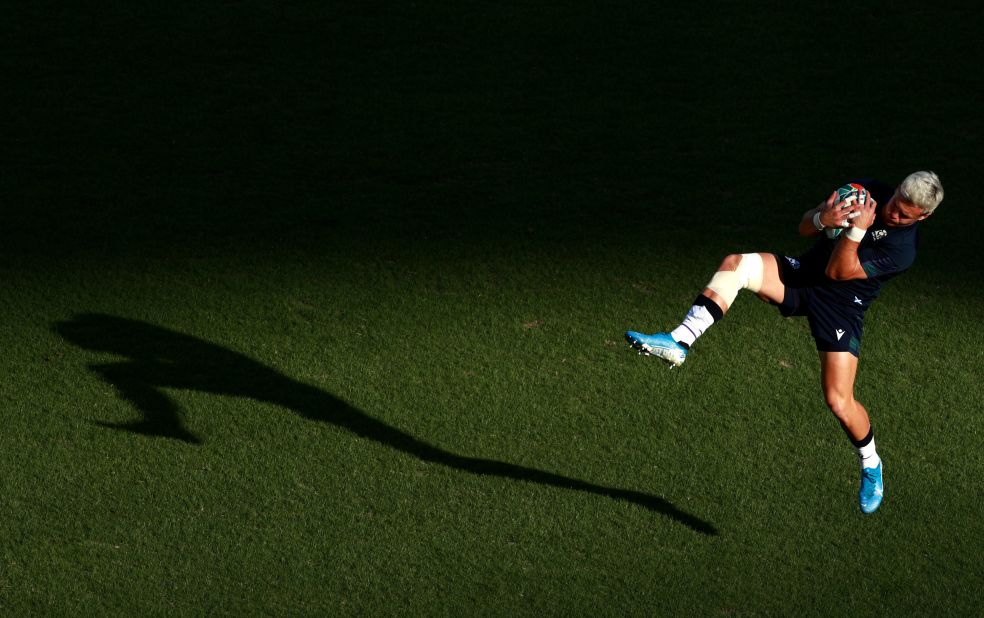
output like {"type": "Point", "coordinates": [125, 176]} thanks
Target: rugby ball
{"type": "Point", "coordinates": [849, 194]}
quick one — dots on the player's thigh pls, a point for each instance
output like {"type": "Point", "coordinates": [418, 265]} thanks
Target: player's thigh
{"type": "Point", "coordinates": [772, 288]}
{"type": "Point", "coordinates": [837, 373]}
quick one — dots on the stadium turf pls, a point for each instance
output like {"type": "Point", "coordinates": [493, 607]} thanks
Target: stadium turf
{"type": "Point", "coordinates": [318, 310]}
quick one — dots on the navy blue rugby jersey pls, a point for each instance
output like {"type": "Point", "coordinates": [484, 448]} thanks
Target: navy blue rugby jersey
{"type": "Point", "coordinates": [884, 252]}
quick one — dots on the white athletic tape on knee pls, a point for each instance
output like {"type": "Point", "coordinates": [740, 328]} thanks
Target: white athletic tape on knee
{"type": "Point", "coordinates": [748, 275]}
{"type": "Point", "coordinates": [725, 283]}
{"type": "Point", "coordinates": [751, 269]}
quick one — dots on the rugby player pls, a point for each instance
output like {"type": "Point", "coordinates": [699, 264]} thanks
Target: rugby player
{"type": "Point", "coordinates": [832, 285]}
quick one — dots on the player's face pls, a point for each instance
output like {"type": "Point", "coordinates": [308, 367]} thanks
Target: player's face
{"type": "Point", "coordinates": [900, 213]}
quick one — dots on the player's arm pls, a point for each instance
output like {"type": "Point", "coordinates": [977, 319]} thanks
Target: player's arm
{"type": "Point", "coordinates": [829, 213]}
{"type": "Point", "coordinates": [807, 227]}
{"type": "Point", "coordinates": [844, 264]}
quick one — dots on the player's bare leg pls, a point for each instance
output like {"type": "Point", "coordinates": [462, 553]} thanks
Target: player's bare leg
{"type": "Point", "coordinates": [837, 373]}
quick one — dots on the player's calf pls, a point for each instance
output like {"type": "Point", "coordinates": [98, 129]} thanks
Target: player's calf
{"type": "Point", "coordinates": [737, 272]}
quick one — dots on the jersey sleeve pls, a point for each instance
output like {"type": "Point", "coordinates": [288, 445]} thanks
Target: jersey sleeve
{"type": "Point", "coordinates": [879, 262]}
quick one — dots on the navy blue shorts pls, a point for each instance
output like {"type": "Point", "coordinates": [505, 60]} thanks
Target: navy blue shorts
{"type": "Point", "coordinates": [835, 327]}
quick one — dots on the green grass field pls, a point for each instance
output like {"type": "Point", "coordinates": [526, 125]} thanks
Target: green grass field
{"type": "Point", "coordinates": [318, 310]}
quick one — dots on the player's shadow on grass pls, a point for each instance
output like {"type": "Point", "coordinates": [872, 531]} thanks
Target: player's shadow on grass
{"type": "Point", "coordinates": [156, 358]}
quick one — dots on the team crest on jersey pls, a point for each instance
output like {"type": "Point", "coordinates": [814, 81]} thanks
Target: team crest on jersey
{"type": "Point", "coordinates": [793, 262]}
{"type": "Point", "coordinates": [879, 234]}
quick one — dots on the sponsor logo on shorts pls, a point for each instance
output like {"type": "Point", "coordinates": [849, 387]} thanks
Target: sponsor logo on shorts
{"type": "Point", "coordinates": [792, 262]}
{"type": "Point", "coordinates": [858, 300]}
{"type": "Point", "coordinates": [839, 333]}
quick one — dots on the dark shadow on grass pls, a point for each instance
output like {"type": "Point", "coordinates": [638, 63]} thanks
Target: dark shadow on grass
{"type": "Point", "coordinates": [157, 358]}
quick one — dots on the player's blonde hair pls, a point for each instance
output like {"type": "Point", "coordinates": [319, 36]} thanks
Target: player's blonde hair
{"type": "Point", "coordinates": [922, 189]}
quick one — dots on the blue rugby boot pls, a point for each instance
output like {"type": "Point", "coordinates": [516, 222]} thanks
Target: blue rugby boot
{"type": "Point", "coordinates": [659, 344]}
{"type": "Point", "coordinates": [872, 489]}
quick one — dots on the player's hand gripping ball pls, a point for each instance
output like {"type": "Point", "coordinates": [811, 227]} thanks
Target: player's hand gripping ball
{"type": "Point", "coordinates": [848, 194]}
